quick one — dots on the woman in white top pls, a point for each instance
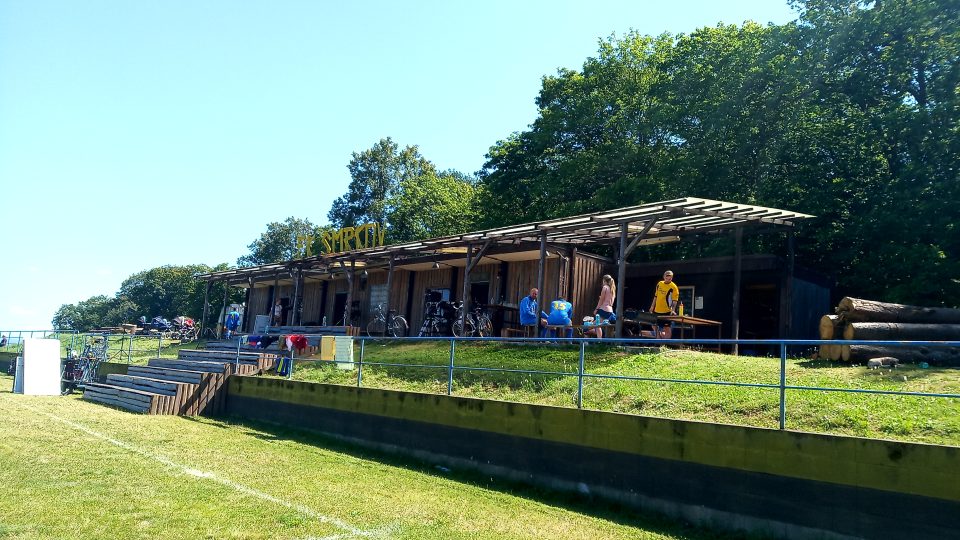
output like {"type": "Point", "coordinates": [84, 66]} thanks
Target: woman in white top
{"type": "Point", "coordinates": [604, 307]}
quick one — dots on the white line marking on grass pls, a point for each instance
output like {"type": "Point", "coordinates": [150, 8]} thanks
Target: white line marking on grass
{"type": "Point", "coordinates": [350, 531]}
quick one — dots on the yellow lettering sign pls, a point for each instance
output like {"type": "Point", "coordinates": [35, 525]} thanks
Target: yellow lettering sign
{"type": "Point", "coordinates": [350, 238]}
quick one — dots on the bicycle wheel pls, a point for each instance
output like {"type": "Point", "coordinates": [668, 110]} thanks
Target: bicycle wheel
{"type": "Point", "coordinates": [458, 330]}
{"type": "Point", "coordinates": [485, 327]}
{"type": "Point", "coordinates": [398, 327]}
{"type": "Point", "coordinates": [375, 328]}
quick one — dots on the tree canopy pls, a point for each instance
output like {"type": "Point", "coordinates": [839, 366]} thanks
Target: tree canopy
{"type": "Point", "coordinates": [849, 113]}
{"type": "Point", "coordinates": [376, 176]}
{"type": "Point", "coordinates": [167, 291]}
{"type": "Point", "coordinates": [282, 241]}
{"type": "Point", "coordinates": [403, 191]}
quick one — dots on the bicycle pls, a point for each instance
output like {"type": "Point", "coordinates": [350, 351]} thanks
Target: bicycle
{"type": "Point", "coordinates": [81, 368]}
{"type": "Point", "coordinates": [478, 323]}
{"type": "Point", "coordinates": [439, 318]}
{"type": "Point", "coordinates": [186, 335]}
{"type": "Point", "coordinates": [378, 325]}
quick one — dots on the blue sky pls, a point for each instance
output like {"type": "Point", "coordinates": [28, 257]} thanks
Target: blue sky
{"type": "Point", "coordinates": [139, 134]}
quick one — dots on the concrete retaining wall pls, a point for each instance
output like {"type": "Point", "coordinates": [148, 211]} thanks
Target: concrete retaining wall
{"type": "Point", "coordinates": [789, 484]}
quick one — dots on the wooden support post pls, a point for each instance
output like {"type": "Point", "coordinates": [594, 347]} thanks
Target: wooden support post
{"type": "Point", "coordinates": [621, 275]}
{"type": "Point", "coordinates": [295, 274]}
{"type": "Point", "coordinates": [206, 308]}
{"type": "Point", "coordinates": [276, 296]}
{"type": "Point", "coordinates": [247, 319]}
{"type": "Point", "coordinates": [737, 268]}
{"type": "Point", "coordinates": [465, 298]}
{"type": "Point", "coordinates": [560, 275]}
{"type": "Point", "coordinates": [386, 308]}
{"type": "Point", "coordinates": [348, 309]}
{"type": "Point", "coordinates": [226, 290]}
{"type": "Point", "coordinates": [791, 258]}
{"type": "Point", "coordinates": [571, 275]}
{"type": "Point", "coordinates": [541, 272]}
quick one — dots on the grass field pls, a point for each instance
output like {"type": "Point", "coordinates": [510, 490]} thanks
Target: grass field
{"type": "Point", "coordinates": [73, 469]}
{"type": "Point", "coordinates": [924, 419]}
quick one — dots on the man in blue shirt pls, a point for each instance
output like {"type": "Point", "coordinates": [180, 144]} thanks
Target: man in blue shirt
{"type": "Point", "coordinates": [232, 322]}
{"type": "Point", "coordinates": [528, 312]}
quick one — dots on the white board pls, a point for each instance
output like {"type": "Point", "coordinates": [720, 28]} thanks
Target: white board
{"type": "Point", "coordinates": [343, 352]}
{"type": "Point", "coordinates": [260, 324]}
{"type": "Point", "coordinates": [41, 367]}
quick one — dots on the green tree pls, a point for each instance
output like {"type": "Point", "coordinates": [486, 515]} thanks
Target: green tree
{"type": "Point", "coordinates": [886, 76]}
{"type": "Point", "coordinates": [850, 113]}
{"type": "Point", "coordinates": [593, 144]}
{"type": "Point", "coordinates": [84, 315]}
{"type": "Point", "coordinates": [167, 291]}
{"type": "Point", "coordinates": [432, 205]}
{"type": "Point", "coordinates": [282, 241]}
{"type": "Point", "coordinates": [376, 175]}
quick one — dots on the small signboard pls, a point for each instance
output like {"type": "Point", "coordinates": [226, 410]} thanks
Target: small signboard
{"type": "Point", "coordinates": [343, 352]}
{"type": "Point", "coordinates": [328, 347]}
{"type": "Point", "coordinates": [41, 367]}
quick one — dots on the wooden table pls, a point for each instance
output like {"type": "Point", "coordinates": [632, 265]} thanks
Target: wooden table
{"type": "Point", "coordinates": [607, 328]}
{"type": "Point", "coordinates": [693, 322]}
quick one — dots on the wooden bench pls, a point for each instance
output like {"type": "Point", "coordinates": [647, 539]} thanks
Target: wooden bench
{"type": "Point", "coordinates": [313, 330]}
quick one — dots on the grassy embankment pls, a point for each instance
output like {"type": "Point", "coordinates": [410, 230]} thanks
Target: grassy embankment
{"type": "Point", "coordinates": [923, 419]}
{"type": "Point", "coordinates": [932, 420]}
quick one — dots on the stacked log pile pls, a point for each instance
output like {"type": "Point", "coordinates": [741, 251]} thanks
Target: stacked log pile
{"type": "Point", "coordinates": [868, 320]}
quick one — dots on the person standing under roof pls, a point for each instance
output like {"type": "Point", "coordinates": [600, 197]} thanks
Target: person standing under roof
{"type": "Point", "coordinates": [664, 303]}
{"type": "Point", "coordinates": [232, 321]}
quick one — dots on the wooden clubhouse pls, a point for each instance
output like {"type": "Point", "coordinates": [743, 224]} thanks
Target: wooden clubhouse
{"type": "Point", "coordinates": [498, 266]}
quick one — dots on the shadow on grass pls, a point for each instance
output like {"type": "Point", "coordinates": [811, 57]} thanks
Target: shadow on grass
{"type": "Point", "coordinates": [581, 504]}
{"type": "Point", "coordinates": [913, 371]}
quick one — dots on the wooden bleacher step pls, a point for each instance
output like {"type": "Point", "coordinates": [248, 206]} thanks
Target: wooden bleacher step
{"type": "Point", "coordinates": [178, 375]}
{"type": "Point", "coordinates": [156, 386]}
{"type": "Point", "coordinates": [189, 365]}
{"type": "Point", "coordinates": [188, 385]}
{"type": "Point", "coordinates": [127, 398]}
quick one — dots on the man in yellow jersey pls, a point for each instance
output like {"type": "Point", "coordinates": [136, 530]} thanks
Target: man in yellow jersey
{"type": "Point", "coordinates": [665, 302]}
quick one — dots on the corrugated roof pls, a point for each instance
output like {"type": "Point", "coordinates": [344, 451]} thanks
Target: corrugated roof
{"type": "Point", "coordinates": [651, 223]}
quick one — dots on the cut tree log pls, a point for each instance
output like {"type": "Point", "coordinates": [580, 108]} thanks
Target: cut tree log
{"type": "Point", "coordinates": [830, 352]}
{"type": "Point", "coordinates": [859, 310]}
{"type": "Point", "coordinates": [936, 356]}
{"type": "Point", "coordinates": [902, 331]}
{"type": "Point", "coordinates": [829, 326]}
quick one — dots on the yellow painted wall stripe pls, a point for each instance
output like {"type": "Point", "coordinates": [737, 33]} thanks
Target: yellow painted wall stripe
{"type": "Point", "coordinates": [918, 469]}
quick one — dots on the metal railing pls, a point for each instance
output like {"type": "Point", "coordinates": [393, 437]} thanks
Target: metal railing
{"type": "Point", "coordinates": [11, 341]}
{"type": "Point", "coordinates": [582, 374]}
{"type": "Point", "coordinates": [121, 347]}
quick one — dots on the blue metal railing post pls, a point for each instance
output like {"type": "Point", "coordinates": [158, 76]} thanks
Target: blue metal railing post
{"type": "Point", "coordinates": [236, 367]}
{"type": "Point", "coordinates": [292, 355]}
{"type": "Point", "coordinates": [360, 364]}
{"type": "Point", "coordinates": [583, 347]}
{"type": "Point", "coordinates": [783, 385]}
{"type": "Point", "coordinates": [453, 348]}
